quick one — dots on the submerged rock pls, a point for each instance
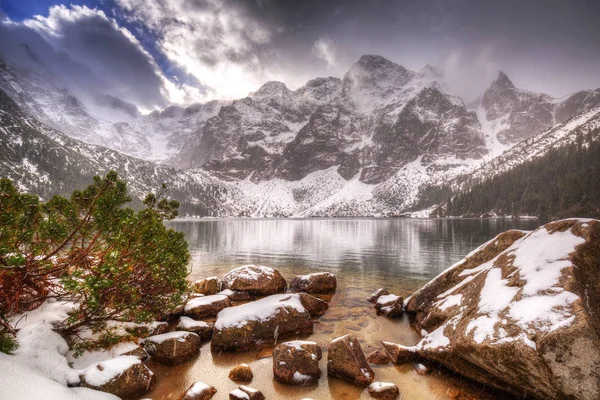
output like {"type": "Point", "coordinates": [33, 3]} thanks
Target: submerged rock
{"type": "Point", "coordinates": [377, 294]}
{"type": "Point", "coordinates": [346, 360]}
{"type": "Point", "coordinates": [206, 286]}
{"type": "Point", "coordinates": [390, 305]}
{"type": "Point", "coordinates": [173, 348]}
{"type": "Point", "coordinates": [201, 328]}
{"type": "Point", "coordinates": [520, 313]}
{"type": "Point", "coordinates": [256, 280]}
{"type": "Point", "coordinates": [199, 391]}
{"type": "Point", "coordinates": [320, 282]}
{"type": "Point", "coordinates": [206, 306]}
{"type": "Point", "coordinates": [251, 325]}
{"type": "Point", "coordinates": [297, 362]}
{"type": "Point", "coordinates": [246, 393]}
{"type": "Point", "coordinates": [384, 390]}
{"type": "Point", "coordinates": [241, 373]}
{"type": "Point", "coordinates": [123, 376]}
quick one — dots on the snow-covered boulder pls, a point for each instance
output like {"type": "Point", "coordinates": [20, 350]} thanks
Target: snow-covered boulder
{"type": "Point", "coordinates": [384, 390]}
{"type": "Point", "coordinates": [520, 313]}
{"type": "Point", "coordinates": [257, 280]}
{"type": "Point", "coordinates": [254, 324]}
{"type": "Point", "coordinates": [173, 348]}
{"type": "Point", "coordinates": [389, 305]}
{"type": "Point", "coordinates": [201, 328]}
{"type": "Point", "coordinates": [199, 391]}
{"type": "Point", "coordinates": [297, 362]}
{"type": "Point", "coordinates": [206, 286]}
{"type": "Point", "coordinates": [320, 282]}
{"type": "Point", "coordinates": [206, 306]}
{"type": "Point", "coordinates": [123, 376]}
{"type": "Point", "coordinates": [346, 360]}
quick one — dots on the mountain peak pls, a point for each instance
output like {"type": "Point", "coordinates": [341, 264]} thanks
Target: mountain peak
{"type": "Point", "coordinates": [503, 81]}
{"type": "Point", "coordinates": [375, 62]}
{"type": "Point", "coordinates": [429, 72]}
{"type": "Point", "coordinates": [271, 89]}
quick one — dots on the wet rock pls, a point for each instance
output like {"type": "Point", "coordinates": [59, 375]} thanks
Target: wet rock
{"type": "Point", "coordinates": [246, 393]}
{"type": "Point", "coordinates": [523, 309]}
{"type": "Point", "coordinates": [123, 376]}
{"type": "Point", "coordinates": [206, 306]}
{"type": "Point", "coordinates": [346, 360]}
{"type": "Point", "coordinates": [144, 330]}
{"type": "Point", "coordinates": [206, 286]}
{"type": "Point", "coordinates": [199, 391]}
{"type": "Point", "coordinates": [257, 280]}
{"type": "Point", "coordinates": [454, 392]}
{"type": "Point", "coordinates": [315, 306]}
{"type": "Point", "coordinates": [297, 362]}
{"type": "Point", "coordinates": [266, 352]}
{"type": "Point", "coordinates": [173, 348]}
{"type": "Point", "coordinates": [138, 352]}
{"type": "Point", "coordinates": [252, 325]}
{"type": "Point", "coordinates": [389, 305]}
{"type": "Point", "coordinates": [377, 294]}
{"type": "Point", "coordinates": [241, 373]}
{"type": "Point", "coordinates": [321, 282]}
{"type": "Point", "coordinates": [378, 357]}
{"type": "Point", "coordinates": [236, 296]}
{"type": "Point", "coordinates": [383, 390]}
{"type": "Point", "coordinates": [422, 369]}
{"type": "Point", "coordinates": [201, 328]}
{"type": "Point", "coordinates": [397, 353]}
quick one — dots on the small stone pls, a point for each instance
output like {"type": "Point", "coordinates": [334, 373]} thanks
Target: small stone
{"type": "Point", "coordinates": [199, 391]}
{"type": "Point", "coordinates": [206, 286]}
{"type": "Point", "coordinates": [246, 393]}
{"type": "Point", "coordinates": [390, 305]}
{"type": "Point", "coordinates": [376, 294]}
{"type": "Point", "coordinates": [383, 390]}
{"type": "Point", "coordinates": [421, 369]}
{"type": "Point", "coordinates": [378, 357]}
{"type": "Point", "coordinates": [241, 373]}
{"type": "Point", "coordinates": [398, 354]}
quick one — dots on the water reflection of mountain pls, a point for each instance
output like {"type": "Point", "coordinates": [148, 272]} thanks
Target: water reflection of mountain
{"type": "Point", "coordinates": [417, 248]}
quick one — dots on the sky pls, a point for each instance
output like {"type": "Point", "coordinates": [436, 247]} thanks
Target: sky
{"type": "Point", "coordinates": [153, 53]}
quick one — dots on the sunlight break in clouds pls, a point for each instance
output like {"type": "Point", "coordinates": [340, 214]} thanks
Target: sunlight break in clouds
{"type": "Point", "coordinates": [324, 49]}
{"type": "Point", "coordinates": [216, 42]}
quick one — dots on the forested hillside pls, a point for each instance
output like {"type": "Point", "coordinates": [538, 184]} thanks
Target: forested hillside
{"type": "Point", "coordinates": [564, 182]}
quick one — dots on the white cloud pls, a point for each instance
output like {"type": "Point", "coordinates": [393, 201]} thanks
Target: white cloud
{"type": "Point", "coordinates": [324, 49]}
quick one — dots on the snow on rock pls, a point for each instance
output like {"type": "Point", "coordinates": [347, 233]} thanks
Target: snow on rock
{"type": "Point", "coordinates": [173, 348]}
{"type": "Point", "coordinates": [20, 381]}
{"type": "Point", "coordinates": [524, 301]}
{"type": "Point", "coordinates": [199, 391]}
{"type": "Point", "coordinates": [257, 280]}
{"type": "Point", "coordinates": [297, 362]}
{"type": "Point", "coordinates": [206, 306]}
{"type": "Point", "coordinates": [123, 376]}
{"type": "Point", "coordinates": [101, 373]}
{"type": "Point", "coordinates": [52, 311]}
{"type": "Point", "coordinates": [320, 282]}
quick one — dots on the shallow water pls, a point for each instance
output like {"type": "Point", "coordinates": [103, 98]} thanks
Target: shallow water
{"type": "Point", "coordinates": [399, 254]}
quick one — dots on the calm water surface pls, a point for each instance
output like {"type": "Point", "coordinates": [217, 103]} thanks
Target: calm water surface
{"type": "Point", "coordinates": [399, 254]}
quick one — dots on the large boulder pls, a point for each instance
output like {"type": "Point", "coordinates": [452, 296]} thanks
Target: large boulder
{"type": "Point", "coordinates": [173, 348]}
{"type": "Point", "coordinates": [201, 328]}
{"type": "Point", "coordinates": [206, 306]}
{"type": "Point", "coordinates": [297, 362]}
{"type": "Point", "coordinates": [199, 391]}
{"type": "Point", "coordinates": [123, 376]}
{"type": "Point", "coordinates": [520, 313]}
{"type": "Point", "coordinates": [320, 282]}
{"type": "Point", "coordinates": [346, 360]}
{"type": "Point", "coordinates": [251, 325]}
{"type": "Point", "coordinates": [206, 286]}
{"type": "Point", "coordinates": [256, 280]}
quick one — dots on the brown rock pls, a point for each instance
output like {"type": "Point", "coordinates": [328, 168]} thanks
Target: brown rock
{"type": "Point", "coordinates": [145, 330]}
{"type": "Point", "coordinates": [256, 280]}
{"type": "Point", "coordinates": [173, 348]}
{"type": "Point", "coordinates": [346, 360]}
{"type": "Point", "coordinates": [397, 353]}
{"type": "Point", "coordinates": [316, 307]}
{"type": "Point", "coordinates": [138, 352]}
{"type": "Point", "coordinates": [266, 352]}
{"type": "Point", "coordinates": [246, 393]}
{"type": "Point", "coordinates": [201, 328]}
{"type": "Point", "coordinates": [520, 313]}
{"type": "Point", "coordinates": [321, 282]}
{"type": "Point", "coordinates": [383, 390]}
{"type": "Point", "coordinates": [378, 357]}
{"type": "Point", "coordinates": [199, 391]}
{"type": "Point", "coordinates": [453, 392]}
{"type": "Point", "coordinates": [390, 305]}
{"type": "Point", "coordinates": [236, 296]}
{"type": "Point", "coordinates": [241, 373]}
{"type": "Point", "coordinates": [297, 362]}
{"type": "Point", "coordinates": [252, 325]}
{"type": "Point", "coordinates": [206, 286]}
{"type": "Point", "coordinates": [376, 294]}
{"type": "Point", "coordinates": [206, 306]}
{"type": "Point", "coordinates": [123, 376]}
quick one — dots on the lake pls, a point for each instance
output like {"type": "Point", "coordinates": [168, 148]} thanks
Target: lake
{"type": "Point", "coordinates": [365, 254]}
